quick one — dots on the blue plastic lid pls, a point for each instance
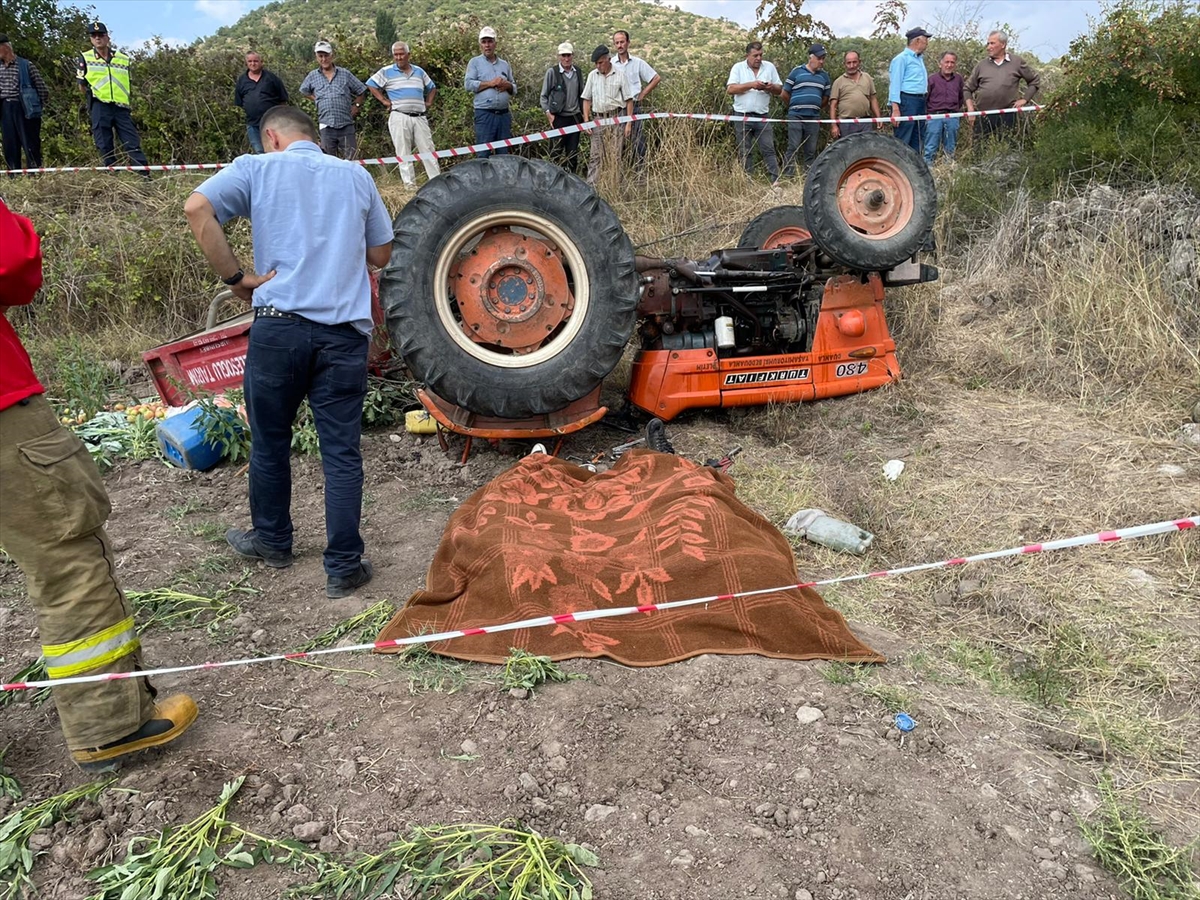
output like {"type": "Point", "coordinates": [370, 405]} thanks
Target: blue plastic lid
{"type": "Point", "coordinates": [905, 722]}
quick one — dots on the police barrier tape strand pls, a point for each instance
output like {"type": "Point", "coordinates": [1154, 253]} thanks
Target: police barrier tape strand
{"type": "Point", "coordinates": [534, 137]}
{"type": "Point", "coordinates": [1103, 537]}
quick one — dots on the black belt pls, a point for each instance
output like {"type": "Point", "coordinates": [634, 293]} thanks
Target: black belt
{"type": "Point", "coordinates": [909, 94]}
{"type": "Point", "coordinates": [412, 115]}
{"type": "Point", "coordinates": [271, 312]}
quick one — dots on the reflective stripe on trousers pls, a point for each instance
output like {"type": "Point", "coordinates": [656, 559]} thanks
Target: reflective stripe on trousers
{"type": "Point", "coordinates": [77, 657]}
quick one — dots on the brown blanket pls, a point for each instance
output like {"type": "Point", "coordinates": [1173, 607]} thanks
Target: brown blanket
{"type": "Point", "coordinates": [548, 537]}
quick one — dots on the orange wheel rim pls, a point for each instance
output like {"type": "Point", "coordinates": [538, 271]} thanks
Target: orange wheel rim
{"type": "Point", "coordinates": [511, 290]}
{"type": "Point", "coordinates": [785, 237]}
{"type": "Point", "coordinates": [875, 198]}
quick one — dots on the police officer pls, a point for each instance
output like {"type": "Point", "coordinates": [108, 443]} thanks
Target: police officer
{"type": "Point", "coordinates": [104, 77]}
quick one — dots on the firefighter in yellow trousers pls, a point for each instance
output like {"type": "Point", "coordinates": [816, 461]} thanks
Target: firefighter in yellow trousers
{"type": "Point", "coordinates": [52, 511]}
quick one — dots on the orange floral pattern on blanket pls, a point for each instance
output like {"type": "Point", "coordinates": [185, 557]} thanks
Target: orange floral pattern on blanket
{"type": "Point", "coordinates": [548, 537]}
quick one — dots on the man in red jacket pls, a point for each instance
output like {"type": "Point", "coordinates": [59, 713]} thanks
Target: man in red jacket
{"type": "Point", "coordinates": [52, 511]}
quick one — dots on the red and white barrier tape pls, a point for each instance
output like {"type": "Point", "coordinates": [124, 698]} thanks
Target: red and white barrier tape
{"type": "Point", "coordinates": [1103, 537]}
{"type": "Point", "coordinates": [534, 137]}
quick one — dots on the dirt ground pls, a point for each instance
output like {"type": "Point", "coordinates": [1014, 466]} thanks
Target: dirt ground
{"type": "Point", "coordinates": [696, 779]}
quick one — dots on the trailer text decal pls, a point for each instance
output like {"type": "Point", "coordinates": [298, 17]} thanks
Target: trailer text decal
{"type": "Point", "coordinates": [216, 370]}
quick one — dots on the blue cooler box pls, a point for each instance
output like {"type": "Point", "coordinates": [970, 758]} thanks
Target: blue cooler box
{"type": "Point", "coordinates": [183, 443]}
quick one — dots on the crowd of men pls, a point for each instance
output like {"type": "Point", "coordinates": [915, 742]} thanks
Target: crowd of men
{"type": "Point", "coordinates": [808, 95]}
{"type": "Point", "coordinates": [618, 84]}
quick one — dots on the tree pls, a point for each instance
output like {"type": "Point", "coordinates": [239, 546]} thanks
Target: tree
{"type": "Point", "coordinates": [779, 22]}
{"type": "Point", "coordinates": [45, 32]}
{"type": "Point", "coordinates": [888, 17]}
{"type": "Point", "coordinates": [1129, 97]}
{"type": "Point", "coordinates": [385, 30]}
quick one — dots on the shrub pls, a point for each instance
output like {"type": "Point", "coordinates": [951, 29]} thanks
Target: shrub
{"type": "Point", "coordinates": [1129, 99]}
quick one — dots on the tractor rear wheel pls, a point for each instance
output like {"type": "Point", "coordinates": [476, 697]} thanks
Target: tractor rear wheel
{"type": "Point", "coordinates": [511, 290]}
{"type": "Point", "coordinates": [779, 226]}
{"type": "Point", "coordinates": [870, 202]}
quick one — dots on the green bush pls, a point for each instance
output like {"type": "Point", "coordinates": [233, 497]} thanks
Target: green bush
{"type": "Point", "coordinates": [1128, 105]}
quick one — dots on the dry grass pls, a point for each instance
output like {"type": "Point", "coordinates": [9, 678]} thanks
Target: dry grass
{"type": "Point", "coordinates": [1083, 293]}
{"type": "Point", "coordinates": [694, 184]}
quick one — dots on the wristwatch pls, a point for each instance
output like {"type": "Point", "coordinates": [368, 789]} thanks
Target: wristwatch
{"type": "Point", "coordinates": [234, 278]}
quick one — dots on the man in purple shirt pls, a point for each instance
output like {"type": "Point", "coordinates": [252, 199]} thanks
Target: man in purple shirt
{"type": "Point", "coordinates": [945, 96]}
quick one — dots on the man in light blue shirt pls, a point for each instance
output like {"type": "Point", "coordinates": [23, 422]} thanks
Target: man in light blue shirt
{"type": "Point", "coordinates": [317, 221]}
{"type": "Point", "coordinates": [908, 83]}
{"type": "Point", "coordinates": [491, 80]}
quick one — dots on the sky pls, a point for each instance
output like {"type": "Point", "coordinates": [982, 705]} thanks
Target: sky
{"type": "Point", "coordinates": [1042, 27]}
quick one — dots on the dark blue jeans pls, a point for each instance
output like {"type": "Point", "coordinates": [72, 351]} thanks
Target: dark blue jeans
{"type": "Point", "coordinates": [492, 126]}
{"type": "Point", "coordinates": [912, 133]}
{"type": "Point", "coordinates": [107, 118]}
{"type": "Point", "coordinates": [254, 137]}
{"type": "Point", "coordinates": [288, 360]}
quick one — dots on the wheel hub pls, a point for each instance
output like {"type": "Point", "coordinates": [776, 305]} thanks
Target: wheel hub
{"type": "Point", "coordinates": [875, 198]}
{"type": "Point", "coordinates": [511, 290]}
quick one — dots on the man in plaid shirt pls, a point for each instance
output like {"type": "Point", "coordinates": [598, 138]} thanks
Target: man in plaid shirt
{"type": "Point", "coordinates": [338, 96]}
{"type": "Point", "coordinates": [20, 131]}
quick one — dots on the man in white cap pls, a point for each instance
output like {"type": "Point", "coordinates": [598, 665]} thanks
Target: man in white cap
{"type": "Point", "coordinates": [409, 94]}
{"type": "Point", "coordinates": [490, 79]}
{"type": "Point", "coordinates": [338, 96]}
{"type": "Point", "coordinates": [561, 99]}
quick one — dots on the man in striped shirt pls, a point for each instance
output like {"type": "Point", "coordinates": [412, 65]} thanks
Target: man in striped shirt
{"type": "Point", "coordinates": [409, 94]}
{"type": "Point", "coordinates": [605, 95]}
{"type": "Point", "coordinates": [805, 93]}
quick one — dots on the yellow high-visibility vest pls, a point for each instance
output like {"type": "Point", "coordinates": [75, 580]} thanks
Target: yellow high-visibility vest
{"type": "Point", "coordinates": [108, 78]}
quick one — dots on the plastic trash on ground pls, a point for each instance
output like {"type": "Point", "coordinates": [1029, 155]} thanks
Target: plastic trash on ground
{"type": "Point", "coordinates": [892, 469]}
{"type": "Point", "coordinates": [418, 421]}
{"type": "Point", "coordinates": [816, 526]}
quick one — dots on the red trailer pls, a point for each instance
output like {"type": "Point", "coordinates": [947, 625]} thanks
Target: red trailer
{"type": "Point", "coordinates": [212, 360]}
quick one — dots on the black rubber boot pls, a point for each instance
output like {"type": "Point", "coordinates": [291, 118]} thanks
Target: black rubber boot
{"type": "Point", "coordinates": [656, 437]}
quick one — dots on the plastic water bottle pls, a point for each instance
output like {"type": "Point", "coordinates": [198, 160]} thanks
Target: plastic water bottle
{"type": "Point", "coordinates": [816, 526]}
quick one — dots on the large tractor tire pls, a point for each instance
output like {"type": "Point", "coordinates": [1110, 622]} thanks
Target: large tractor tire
{"type": "Point", "coordinates": [870, 202]}
{"type": "Point", "coordinates": [779, 226]}
{"type": "Point", "coordinates": [511, 290]}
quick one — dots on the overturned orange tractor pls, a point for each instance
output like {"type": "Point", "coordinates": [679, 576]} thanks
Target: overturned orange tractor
{"type": "Point", "coordinates": [513, 291]}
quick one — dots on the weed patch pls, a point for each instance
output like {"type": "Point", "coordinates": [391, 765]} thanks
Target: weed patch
{"type": "Point", "coordinates": [364, 626]}
{"type": "Point", "coordinates": [524, 670]}
{"type": "Point", "coordinates": [16, 857]}
{"type": "Point", "coordinates": [168, 608]}
{"type": "Point", "coordinates": [430, 672]}
{"type": "Point", "coordinates": [35, 670]}
{"type": "Point", "coordinates": [1132, 849]}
